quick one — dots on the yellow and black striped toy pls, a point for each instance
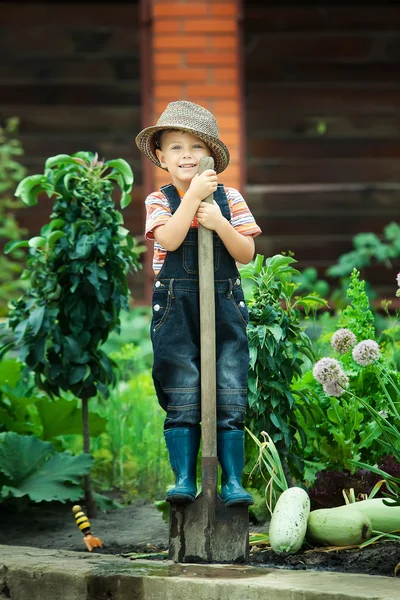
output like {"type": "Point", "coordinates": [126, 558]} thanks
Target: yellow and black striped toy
{"type": "Point", "coordinates": [84, 525]}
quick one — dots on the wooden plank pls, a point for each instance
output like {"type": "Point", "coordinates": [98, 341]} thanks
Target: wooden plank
{"type": "Point", "coordinates": [322, 170]}
{"type": "Point", "coordinates": [368, 202]}
{"type": "Point", "coordinates": [308, 225]}
{"type": "Point", "coordinates": [322, 147]}
{"type": "Point", "coordinates": [293, 69]}
{"type": "Point", "coordinates": [53, 94]}
{"type": "Point", "coordinates": [277, 17]}
{"type": "Point", "coordinates": [323, 99]}
{"type": "Point", "coordinates": [286, 123]}
{"type": "Point", "coordinates": [64, 41]}
{"type": "Point", "coordinates": [75, 70]}
{"type": "Point", "coordinates": [60, 119]}
{"type": "Point", "coordinates": [67, 14]}
{"type": "Point", "coordinates": [323, 46]}
{"type": "Point", "coordinates": [104, 144]}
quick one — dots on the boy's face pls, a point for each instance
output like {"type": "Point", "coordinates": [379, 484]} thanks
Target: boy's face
{"type": "Point", "coordinates": [180, 153]}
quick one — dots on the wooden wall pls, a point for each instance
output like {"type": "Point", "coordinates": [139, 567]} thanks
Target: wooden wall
{"type": "Point", "coordinates": [71, 73]}
{"type": "Point", "coordinates": [322, 94]}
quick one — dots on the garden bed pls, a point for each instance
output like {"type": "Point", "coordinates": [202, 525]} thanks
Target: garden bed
{"type": "Point", "coordinates": [140, 528]}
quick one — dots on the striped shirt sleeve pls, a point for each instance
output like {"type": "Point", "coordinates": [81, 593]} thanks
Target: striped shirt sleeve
{"type": "Point", "coordinates": [242, 219]}
{"type": "Point", "coordinates": [158, 212]}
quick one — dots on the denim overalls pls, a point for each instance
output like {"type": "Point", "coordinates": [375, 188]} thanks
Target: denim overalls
{"type": "Point", "coordinates": [175, 331]}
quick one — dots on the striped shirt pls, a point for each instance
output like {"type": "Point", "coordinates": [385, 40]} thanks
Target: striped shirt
{"type": "Point", "coordinates": [158, 212]}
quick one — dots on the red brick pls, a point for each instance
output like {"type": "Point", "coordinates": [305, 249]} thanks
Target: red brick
{"type": "Point", "coordinates": [210, 25]}
{"type": "Point", "coordinates": [226, 74]}
{"type": "Point", "coordinates": [168, 58]}
{"type": "Point", "coordinates": [169, 92]}
{"type": "Point", "coordinates": [211, 58]}
{"type": "Point", "coordinates": [224, 107]}
{"type": "Point", "coordinates": [228, 91]}
{"type": "Point", "coordinates": [181, 42]}
{"type": "Point", "coordinates": [181, 75]}
{"type": "Point", "coordinates": [227, 123]}
{"type": "Point", "coordinates": [230, 9]}
{"type": "Point", "coordinates": [223, 41]}
{"type": "Point", "coordinates": [165, 26]}
{"type": "Point", "coordinates": [172, 10]}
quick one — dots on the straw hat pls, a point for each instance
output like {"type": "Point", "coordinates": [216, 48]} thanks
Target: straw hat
{"type": "Point", "coordinates": [190, 117]}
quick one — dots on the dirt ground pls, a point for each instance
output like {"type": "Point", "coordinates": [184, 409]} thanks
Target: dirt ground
{"type": "Point", "coordinates": [141, 528]}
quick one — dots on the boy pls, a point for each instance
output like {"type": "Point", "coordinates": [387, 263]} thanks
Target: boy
{"type": "Point", "coordinates": [185, 132]}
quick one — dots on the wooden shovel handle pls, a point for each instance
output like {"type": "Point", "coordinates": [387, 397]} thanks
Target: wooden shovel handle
{"type": "Point", "coordinates": [207, 332]}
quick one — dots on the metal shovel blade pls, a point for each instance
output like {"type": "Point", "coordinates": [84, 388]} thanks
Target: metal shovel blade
{"type": "Point", "coordinates": [207, 530]}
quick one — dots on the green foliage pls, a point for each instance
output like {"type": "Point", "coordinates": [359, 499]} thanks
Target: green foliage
{"type": "Point", "coordinates": [32, 468]}
{"type": "Point", "coordinates": [27, 411]}
{"type": "Point", "coordinates": [358, 316]}
{"type": "Point", "coordinates": [11, 173]}
{"type": "Point", "coordinates": [278, 351]}
{"type": "Point", "coordinates": [77, 271]}
{"type": "Point", "coordinates": [340, 431]}
{"type": "Point", "coordinates": [130, 455]}
{"type": "Point", "coordinates": [309, 283]}
{"type": "Point", "coordinates": [369, 249]}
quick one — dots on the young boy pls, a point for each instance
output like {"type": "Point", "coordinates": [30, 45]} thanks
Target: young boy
{"type": "Point", "coordinates": [184, 133]}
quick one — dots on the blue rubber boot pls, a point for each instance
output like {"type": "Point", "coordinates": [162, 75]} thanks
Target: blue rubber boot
{"type": "Point", "coordinates": [183, 446]}
{"type": "Point", "coordinates": [230, 445]}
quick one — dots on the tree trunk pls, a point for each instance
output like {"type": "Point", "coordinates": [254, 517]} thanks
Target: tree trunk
{"type": "Point", "coordinates": [91, 508]}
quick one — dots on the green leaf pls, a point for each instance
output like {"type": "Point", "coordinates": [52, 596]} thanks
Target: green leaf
{"type": "Point", "coordinates": [59, 160]}
{"type": "Point", "coordinates": [14, 245]}
{"type": "Point", "coordinates": [64, 417]}
{"type": "Point", "coordinates": [126, 199]}
{"type": "Point", "coordinates": [276, 331]}
{"type": "Point", "coordinates": [30, 187]}
{"type": "Point", "coordinates": [37, 242]}
{"type": "Point", "coordinates": [123, 168]}
{"type": "Point", "coordinates": [53, 237]}
{"type": "Point", "coordinates": [35, 319]}
{"type": "Point", "coordinates": [34, 469]}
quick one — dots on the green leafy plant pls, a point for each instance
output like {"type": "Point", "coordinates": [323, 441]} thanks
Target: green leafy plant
{"type": "Point", "coordinates": [11, 173]}
{"type": "Point", "coordinates": [32, 468]}
{"type": "Point", "coordinates": [337, 430]}
{"type": "Point", "coordinates": [279, 349]}
{"type": "Point", "coordinates": [26, 410]}
{"type": "Point", "coordinates": [77, 272]}
{"type": "Point", "coordinates": [369, 249]}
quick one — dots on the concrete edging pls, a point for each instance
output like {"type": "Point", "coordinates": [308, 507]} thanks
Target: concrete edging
{"type": "Point", "coordinates": [36, 574]}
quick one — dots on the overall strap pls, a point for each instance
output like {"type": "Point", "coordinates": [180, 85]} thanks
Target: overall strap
{"type": "Point", "coordinates": [174, 200]}
{"type": "Point", "coordinates": [172, 195]}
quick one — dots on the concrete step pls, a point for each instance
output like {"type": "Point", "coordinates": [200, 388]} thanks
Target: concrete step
{"type": "Point", "coordinates": [36, 574]}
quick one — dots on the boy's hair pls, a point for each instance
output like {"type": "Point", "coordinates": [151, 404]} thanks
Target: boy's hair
{"type": "Point", "coordinates": [160, 134]}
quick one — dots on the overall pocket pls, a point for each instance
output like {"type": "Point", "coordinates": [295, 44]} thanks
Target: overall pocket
{"type": "Point", "coordinates": [161, 305]}
{"type": "Point", "coordinates": [241, 306]}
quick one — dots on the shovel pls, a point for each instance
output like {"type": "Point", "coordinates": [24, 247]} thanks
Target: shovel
{"type": "Point", "coordinates": [206, 530]}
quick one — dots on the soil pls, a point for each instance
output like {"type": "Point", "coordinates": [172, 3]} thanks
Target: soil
{"type": "Point", "coordinates": [140, 528]}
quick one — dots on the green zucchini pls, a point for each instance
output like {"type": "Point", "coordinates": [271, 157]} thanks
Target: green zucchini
{"type": "Point", "coordinates": [338, 527]}
{"type": "Point", "coordinates": [383, 518]}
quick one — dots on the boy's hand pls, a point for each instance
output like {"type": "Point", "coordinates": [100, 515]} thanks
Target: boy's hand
{"type": "Point", "coordinates": [209, 215]}
{"type": "Point", "coordinates": [204, 184]}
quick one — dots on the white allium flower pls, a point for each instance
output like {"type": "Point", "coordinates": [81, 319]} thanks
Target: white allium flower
{"type": "Point", "coordinates": [343, 340]}
{"type": "Point", "coordinates": [336, 388]}
{"type": "Point", "coordinates": [327, 370]}
{"type": "Point", "coordinates": [398, 279]}
{"type": "Point", "coordinates": [383, 413]}
{"type": "Point", "coordinates": [366, 352]}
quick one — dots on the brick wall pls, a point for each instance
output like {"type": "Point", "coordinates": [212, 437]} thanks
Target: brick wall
{"type": "Point", "coordinates": [196, 56]}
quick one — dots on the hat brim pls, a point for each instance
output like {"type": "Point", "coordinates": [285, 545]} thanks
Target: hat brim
{"type": "Point", "coordinates": [146, 144]}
